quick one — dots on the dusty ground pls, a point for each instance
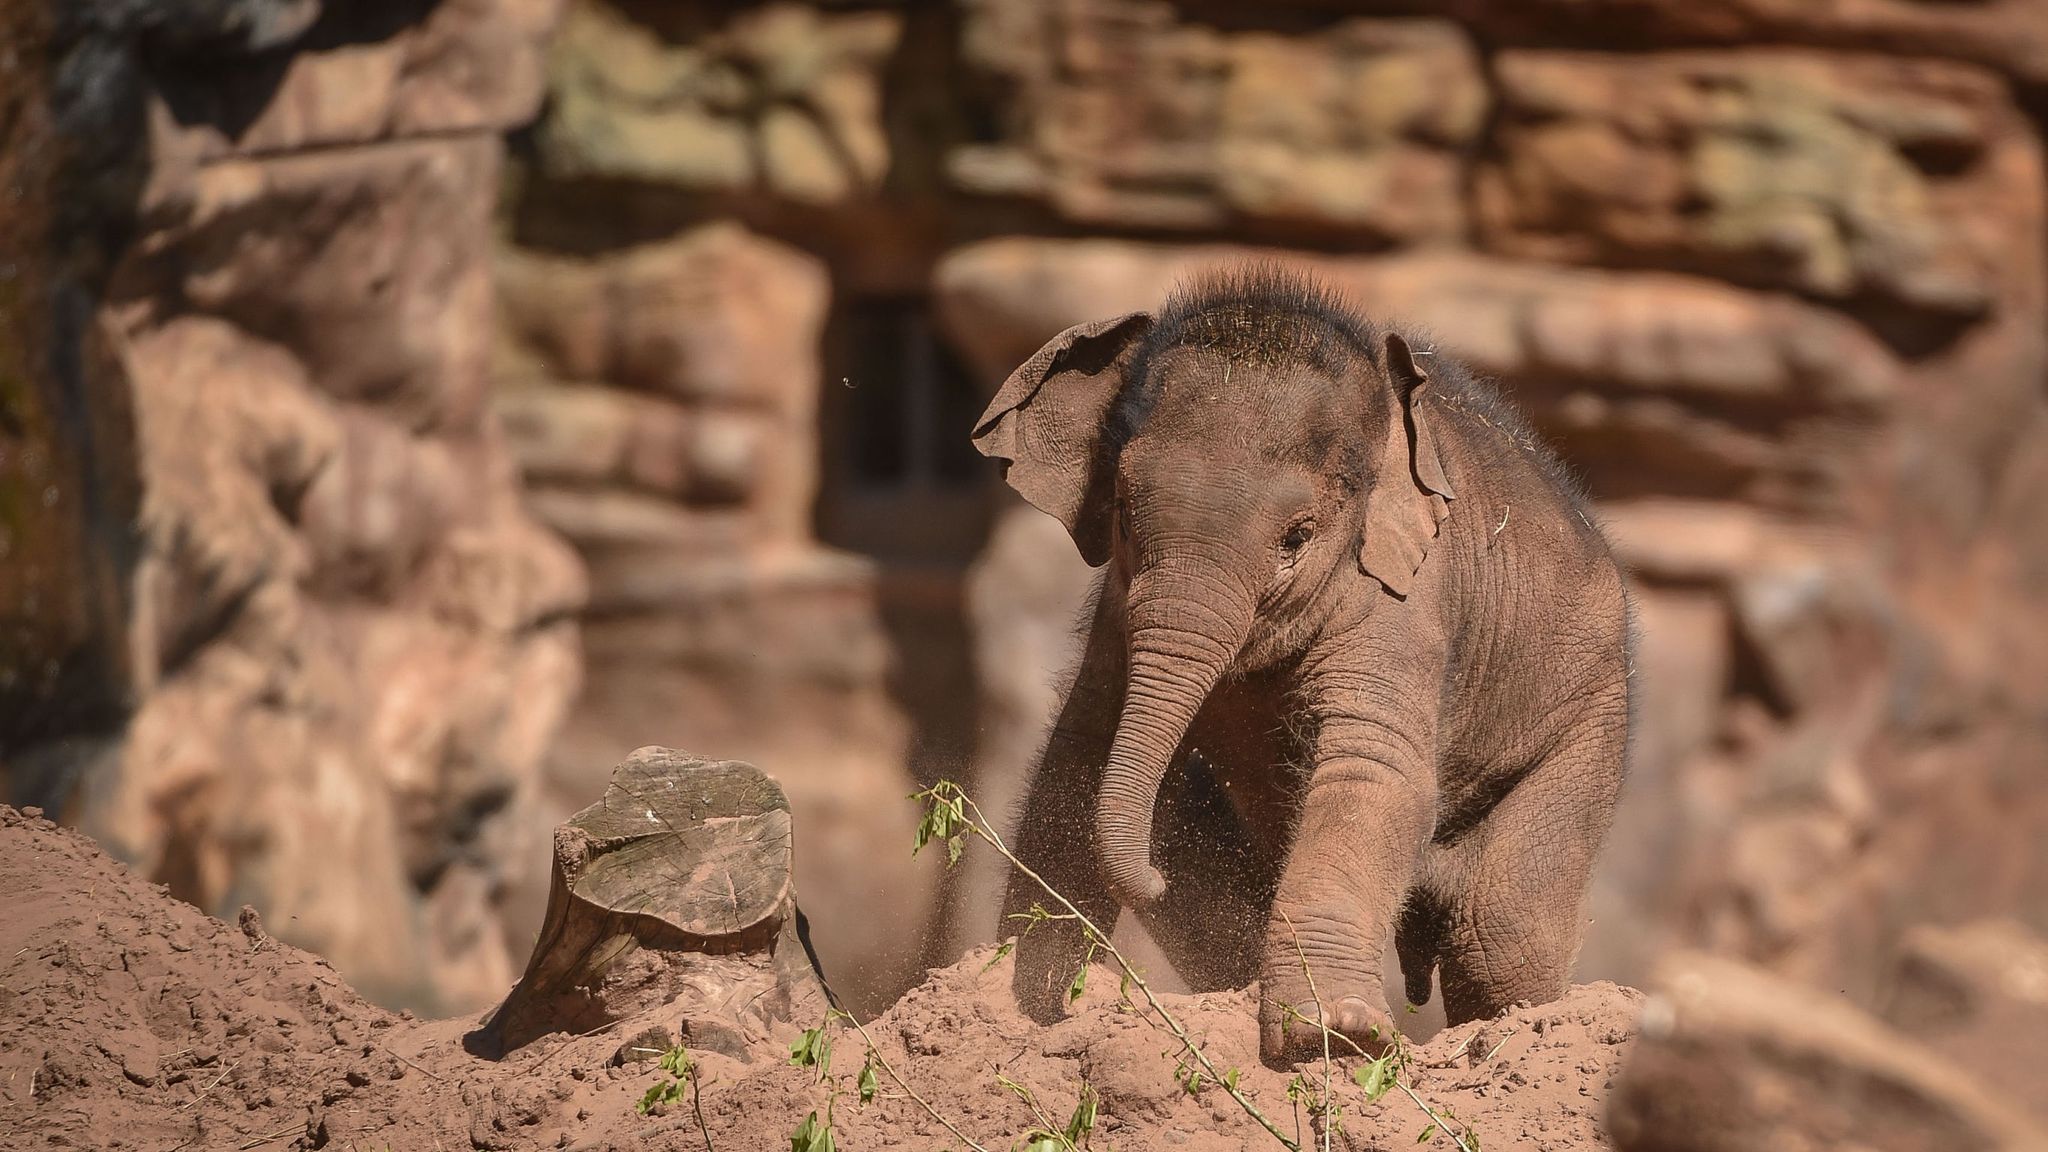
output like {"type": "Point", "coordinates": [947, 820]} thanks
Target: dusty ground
{"type": "Point", "coordinates": [130, 1020]}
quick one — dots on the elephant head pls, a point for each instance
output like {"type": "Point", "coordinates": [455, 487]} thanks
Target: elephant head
{"type": "Point", "coordinates": [1236, 460]}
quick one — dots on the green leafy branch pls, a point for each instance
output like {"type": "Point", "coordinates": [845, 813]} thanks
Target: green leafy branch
{"type": "Point", "coordinates": [813, 1049]}
{"type": "Point", "coordinates": [680, 1071]}
{"type": "Point", "coordinates": [815, 1135]}
{"type": "Point", "coordinates": [1045, 1137]}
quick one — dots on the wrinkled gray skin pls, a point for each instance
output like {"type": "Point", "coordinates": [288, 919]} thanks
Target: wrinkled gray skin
{"type": "Point", "coordinates": [1357, 666]}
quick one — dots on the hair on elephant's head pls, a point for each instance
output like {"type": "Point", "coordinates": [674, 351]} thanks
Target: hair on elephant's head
{"type": "Point", "coordinates": [1240, 458]}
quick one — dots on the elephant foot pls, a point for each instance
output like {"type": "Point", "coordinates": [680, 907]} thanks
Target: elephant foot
{"type": "Point", "coordinates": [1291, 1037]}
{"type": "Point", "coordinates": [1370, 1026]}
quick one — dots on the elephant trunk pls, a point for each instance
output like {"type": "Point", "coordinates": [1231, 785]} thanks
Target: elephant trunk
{"type": "Point", "coordinates": [1180, 648]}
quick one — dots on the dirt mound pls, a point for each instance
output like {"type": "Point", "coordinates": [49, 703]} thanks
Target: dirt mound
{"type": "Point", "coordinates": [1534, 1079]}
{"type": "Point", "coordinates": [131, 1020]}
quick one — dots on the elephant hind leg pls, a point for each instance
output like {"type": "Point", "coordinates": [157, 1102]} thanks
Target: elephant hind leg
{"type": "Point", "coordinates": [1517, 893]}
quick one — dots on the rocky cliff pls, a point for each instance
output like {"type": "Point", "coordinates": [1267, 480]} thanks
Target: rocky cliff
{"type": "Point", "coordinates": [329, 646]}
{"type": "Point", "coordinates": [1771, 278]}
{"type": "Point", "coordinates": [289, 611]}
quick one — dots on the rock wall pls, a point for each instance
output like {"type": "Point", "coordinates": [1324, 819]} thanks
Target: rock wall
{"type": "Point", "coordinates": [293, 431]}
{"type": "Point", "coordinates": [1770, 276]}
{"type": "Point", "coordinates": [343, 644]}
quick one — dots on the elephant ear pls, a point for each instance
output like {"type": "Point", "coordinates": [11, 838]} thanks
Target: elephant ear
{"type": "Point", "coordinates": [1411, 496]}
{"type": "Point", "coordinates": [1046, 426]}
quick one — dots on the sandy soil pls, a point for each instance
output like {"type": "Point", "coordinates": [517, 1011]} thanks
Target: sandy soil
{"type": "Point", "coordinates": [131, 1020]}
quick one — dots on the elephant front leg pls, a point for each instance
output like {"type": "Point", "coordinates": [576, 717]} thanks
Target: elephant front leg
{"type": "Point", "coordinates": [1363, 828]}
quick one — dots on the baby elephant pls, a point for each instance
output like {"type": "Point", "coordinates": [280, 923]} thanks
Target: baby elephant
{"type": "Point", "coordinates": [1358, 666]}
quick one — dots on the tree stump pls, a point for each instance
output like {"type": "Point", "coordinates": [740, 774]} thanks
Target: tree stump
{"type": "Point", "coordinates": [674, 889]}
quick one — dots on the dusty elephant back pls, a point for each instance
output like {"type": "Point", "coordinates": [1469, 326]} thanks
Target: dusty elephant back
{"type": "Point", "coordinates": [1535, 607]}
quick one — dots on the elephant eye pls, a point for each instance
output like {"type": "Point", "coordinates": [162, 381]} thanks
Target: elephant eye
{"type": "Point", "coordinates": [1297, 537]}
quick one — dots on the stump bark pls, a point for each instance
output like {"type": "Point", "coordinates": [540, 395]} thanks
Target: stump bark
{"type": "Point", "coordinates": [674, 889]}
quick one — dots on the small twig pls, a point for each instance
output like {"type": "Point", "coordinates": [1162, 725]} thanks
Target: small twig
{"type": "Point", "coordinates": [1497, 1047]}
{"type": "Point", "coordinates": [1044, 1122]}
{"type": "Point", "coordinates": [1504, 514]}
{"type": "Point", "coordinates": [567, 1043]}
{"type": "Point", "coordinates": [1457, 1136]}
{"type": "Point", "coordinates": [410, 1064]}
{"type": "Point", "coordinates": [697, 1109]}
{"type": "Point", "coordinates": [277, 1135]}
{"type": "Point", "coordinates": [1322, 1020]}
{"type": "Point", "coordinates": [1451, 1061]}
{"type": "Point", "coordinates": [986, 831]}
{"type": "Point", "coordinates": [210, 1087]}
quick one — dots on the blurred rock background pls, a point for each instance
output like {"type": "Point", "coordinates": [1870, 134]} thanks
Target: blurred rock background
{"type": "Point", "coordinates": [409, 407]}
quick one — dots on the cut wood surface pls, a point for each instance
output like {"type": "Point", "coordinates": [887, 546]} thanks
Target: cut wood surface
{"type": "Point", "coordinates": [675, 886]}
